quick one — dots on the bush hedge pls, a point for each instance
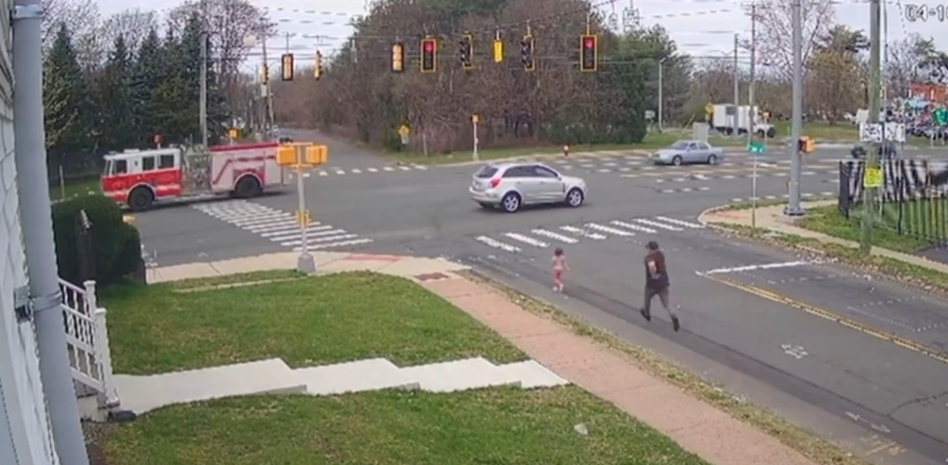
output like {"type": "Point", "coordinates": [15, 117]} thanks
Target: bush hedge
{"type": "Point", "coordinates": [116, 244]}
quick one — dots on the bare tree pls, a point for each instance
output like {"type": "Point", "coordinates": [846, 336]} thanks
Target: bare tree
{"type": "Point", "coordinates": [775, 32]}
{"type": "Point", "coordinates": [82, 19]}
{"type": "Point", "coordinates": [133, 25]}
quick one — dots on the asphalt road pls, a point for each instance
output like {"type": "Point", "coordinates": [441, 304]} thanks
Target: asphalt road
{"type": "Point", "coordinates": [768, 334]}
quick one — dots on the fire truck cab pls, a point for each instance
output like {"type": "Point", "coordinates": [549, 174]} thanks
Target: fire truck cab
{"type": "Point", "coordinates": [139, 178]}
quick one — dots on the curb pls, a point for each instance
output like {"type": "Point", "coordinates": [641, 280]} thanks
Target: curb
{"type": "Point", "coordinates": [710, 211]}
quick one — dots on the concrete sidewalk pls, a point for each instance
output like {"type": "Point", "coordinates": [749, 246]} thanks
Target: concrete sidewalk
{"type": "Point", "coordinates": [772, 218]}
{"type": "Point", "coordinates": [697, 426]}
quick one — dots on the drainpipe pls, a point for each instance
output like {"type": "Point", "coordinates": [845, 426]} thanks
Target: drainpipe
{"type": "Point", "coordinates": [37, 227]}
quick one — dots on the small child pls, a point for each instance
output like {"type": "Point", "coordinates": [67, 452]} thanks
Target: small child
{"type": "Point", "coordinates": [559, 266]}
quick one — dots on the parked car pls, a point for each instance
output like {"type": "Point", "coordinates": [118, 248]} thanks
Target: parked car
{"type": "Point", "coordinates": [689, 151]}
{"type": "Point", "coordinates": [890, 150]}
{"type": "Point", "coordinates": [513, 185]}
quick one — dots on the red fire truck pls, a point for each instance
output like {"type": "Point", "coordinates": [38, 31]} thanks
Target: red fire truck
{"type": "Point", "coordinates": [138, 179]}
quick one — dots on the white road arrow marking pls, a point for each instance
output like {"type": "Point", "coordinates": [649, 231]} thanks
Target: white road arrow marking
{"type": "Point", "coordinates": [797, 352]}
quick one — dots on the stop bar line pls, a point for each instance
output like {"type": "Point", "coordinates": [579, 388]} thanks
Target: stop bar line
{"type": "Point", "coordinates": [768, 266]}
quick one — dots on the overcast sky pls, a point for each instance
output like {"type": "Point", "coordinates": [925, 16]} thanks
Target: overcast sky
{"type": "Point", "coordinates": [692, 23]}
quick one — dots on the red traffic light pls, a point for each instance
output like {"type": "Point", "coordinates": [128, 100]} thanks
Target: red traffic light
{"type": "Point", "coordinates": [429, 46]}
{"type": "Point", "coordinates": [590, 42]}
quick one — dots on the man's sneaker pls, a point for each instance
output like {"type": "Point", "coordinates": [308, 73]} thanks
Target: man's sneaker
{"type": "Point", "coordinates": [675, 323]}
{"type": "Point", "coordinates": [646, 314]}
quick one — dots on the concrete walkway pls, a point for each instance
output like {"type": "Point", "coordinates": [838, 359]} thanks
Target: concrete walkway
{"type": "Point", "coordinates": [772, 218]}
{"type": "Point", "coordinates": [697, 426]}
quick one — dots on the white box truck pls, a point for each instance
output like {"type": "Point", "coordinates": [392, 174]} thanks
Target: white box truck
{"type": "Point", "coordinates": [723, 120]}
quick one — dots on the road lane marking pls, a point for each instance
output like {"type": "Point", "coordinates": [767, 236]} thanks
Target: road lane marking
{"type": "Point", "coordinates": [323, 173]}
{"type": "Point", "coordinates": [767, 266]}
{"type": "Point", "coordinates": [373, 170]}
{"type": "Point", "coordinates": [404, 168]}
{"type": "Point", "coordinates": [829, 315]}
{"type": "Point", "coordinates": [388, 168]}
{"type": "Point", "coordinates": [679, 222]}
{"type": "Point", "coordinates": [299, 242]}
{"type": "Point", "coordinates": [633, 227]}
{"type": "Point", "coordinates": [332, 244]}
{"type": "Point", "coordinates": [296, 231]}
{"type": "Point", "coordinates": [617, 232]}
{"type": "Point", "coordinates": [553, 235]}
{"type": "Point", "coordinates": [658, 225]}
{"type": "Point", "coordinates": [340, 172]}
{"type": "Point", "coordinates": [497, 244]}
{"type": "Point", "coordinates": [421, 167]}
{"type": "Point", "coordinates": [356, 171]}
{"type": "Point", "coordinates": [583, 232]}
{"type": "Point", "coordinates": [526, 240]}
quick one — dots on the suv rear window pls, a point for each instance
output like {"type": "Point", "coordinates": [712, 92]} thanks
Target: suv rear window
{"type": "Point", "coordinates": [487, 172]}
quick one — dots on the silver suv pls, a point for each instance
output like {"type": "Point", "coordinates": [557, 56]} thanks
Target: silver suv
{"type": "Point", "coordinates": [512, 185]}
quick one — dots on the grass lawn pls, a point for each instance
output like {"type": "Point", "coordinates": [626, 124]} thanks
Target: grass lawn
{"type": "Point", "coordinates": [830, 221]}
{"type": "Point", "coordinates": [490, 426]}
{"type": "Point", "coordinates": [305, 321]}
{"type": "Point", "coordinates": [74, 188]}
{"type": "Point", "coordinates": [651, 142]}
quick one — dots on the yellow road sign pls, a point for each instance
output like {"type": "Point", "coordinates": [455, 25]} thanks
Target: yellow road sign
{"type": "Point", "coordinates": [709, 108]}
{"type": "Point", "coordinates": [872, 178]}
{"type": "Point", "coordinates": [232, 133]}
{"type": "Point", "coordinates": [404, 130]}
{"type": "Point", "coordinates": [302, 218]}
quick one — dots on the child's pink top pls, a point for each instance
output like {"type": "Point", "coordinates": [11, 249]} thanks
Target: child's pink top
{"type": "Point", "coordinates": [559, 262]}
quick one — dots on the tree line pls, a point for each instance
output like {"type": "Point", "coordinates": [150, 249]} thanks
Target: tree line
{"type": "Point", "coordinates": [145, 82]}
{"type": "Point", "coordinates": [359, 97]}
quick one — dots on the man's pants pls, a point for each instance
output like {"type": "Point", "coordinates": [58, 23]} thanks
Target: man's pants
{"type": "Point", "coordinates": [662, 294]}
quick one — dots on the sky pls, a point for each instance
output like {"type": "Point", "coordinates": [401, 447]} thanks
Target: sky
{"type": "Point", "coordinates": [700, 27]}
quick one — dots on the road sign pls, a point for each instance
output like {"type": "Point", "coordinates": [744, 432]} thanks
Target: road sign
{"type": "Point", "coordinates": [941, 116]}
{"type": "Point", "coordinates": [232, 133]}
{"type": "Point", "coordinates": [404, 130]}
{"type": "Point", "coordinates": [302, 218]}
{"type": "Point", "coordinates": [756, 147]}
{"type": "Point", "coordinates": [872, 178]}
{"type": "Point", "coordinates": [475, 119]}
{"type": "Point", "coordinates": [709, 108]}
{"type": "Point", "coordinates": [872, 132]}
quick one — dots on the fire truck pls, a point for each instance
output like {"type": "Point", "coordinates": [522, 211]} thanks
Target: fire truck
{"type": "Point", "coordinates": [140, 178]}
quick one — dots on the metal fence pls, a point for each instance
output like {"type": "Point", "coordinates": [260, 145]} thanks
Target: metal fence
{"type": "Point", "coordinates": [913, 198]}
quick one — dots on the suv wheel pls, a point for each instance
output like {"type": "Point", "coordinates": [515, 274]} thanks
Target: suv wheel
{"type": "Point", "coordinates": [511, 202]}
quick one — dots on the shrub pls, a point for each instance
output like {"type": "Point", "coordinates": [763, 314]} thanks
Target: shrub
{"type": "Point", "coordinates": [109, 237]}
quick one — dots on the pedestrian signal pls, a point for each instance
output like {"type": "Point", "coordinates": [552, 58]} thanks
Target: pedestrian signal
{"type": "Point", "coordinates": [527, 48]}
{"type": "Point", "coordinates": [466, 51]}
{"type": "Point", "coordinates": [589, 53]}
{"type": "Point", "coordinates": [318, 69]}
{"type": "Point", "coordinates": [429, 55]}
{"type": "Point", "coordinates": [398, 57]}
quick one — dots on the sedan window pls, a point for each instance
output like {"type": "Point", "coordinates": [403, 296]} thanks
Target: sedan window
{"type": "Point", "coordinates": [486, 172]}
{"type": "Point", "coordinates": [518, 172]}
{"type": "Point", "coordinates": [679, 146]}
{"type": "Point", "coordinates": [543, 172]}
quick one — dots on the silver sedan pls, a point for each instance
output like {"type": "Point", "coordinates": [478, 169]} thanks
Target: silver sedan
{"type": "Point", "coordinates": [689, 151]}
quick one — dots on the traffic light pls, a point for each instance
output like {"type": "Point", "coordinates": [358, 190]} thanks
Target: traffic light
{"type": "Point", "coordinates": [806, 144]}
{"type": "Point", "coordinates": [527, 47]}
{"type": "Point", "coordinates": [287, 67]}
{"type": "Point", "coordinates": [265, 74]}
{"type": "Point", "coordinates": [498, 51]}
{"type": "Point", "coordinates": [429, 55]}
{"type": "Point", "coordinates": [318, 71]}
{"type": "Point", "coordinates": [589, 53]}
{"type": "Point", "coordinates": [398, 57]}
{"type": "Point", "coordinates": [466, 51]}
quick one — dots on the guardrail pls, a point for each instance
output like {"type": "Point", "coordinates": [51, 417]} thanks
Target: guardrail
{"type": "Point", "coordinates": [87, 341]}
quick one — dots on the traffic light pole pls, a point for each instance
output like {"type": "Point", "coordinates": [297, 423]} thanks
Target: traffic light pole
{"type": "Point", "coordinates": [751, 112]}
{"type": "Point", "coordinates": [793, 207]}
{"type": "Point", "coordinates": [305, 264]}
{"type": "Point", "coordinates": [474, 123]}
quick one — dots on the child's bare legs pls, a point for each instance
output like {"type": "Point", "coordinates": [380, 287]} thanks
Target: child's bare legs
{"type": "Point", "coordinates": [557, 280]}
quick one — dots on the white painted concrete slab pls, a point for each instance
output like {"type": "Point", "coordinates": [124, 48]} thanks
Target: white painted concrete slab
{"type": "Point", "coordinates": [532, 375]}
{"type": "Point", "coordinates": [141, 394]}
{"type": "Point", "coordinates": [472, 373]}
{"type": "Point", "coordinates": [362, 375]}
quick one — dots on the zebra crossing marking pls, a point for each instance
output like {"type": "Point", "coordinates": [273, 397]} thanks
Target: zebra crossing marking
{"type": "Point", "coordinates": [657, 225]}
{"type": "Point", "coordinates": [606, 229]}
{"type": "Point", "coordinates": [497, 244]}
{"type": "Point", "coordinates": [634, 227]}
{"type": "Point", "coordinates": [679, 222]}
{"type": "Point", "coordinates": [555, 236]}
{"type": "Point", "coordinates": [583, 232]}
{"type": "Point", "coordinates": [526, 240]}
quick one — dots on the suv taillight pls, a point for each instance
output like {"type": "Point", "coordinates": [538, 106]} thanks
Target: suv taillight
{"type": "Point", "coordinates": [494, 182]}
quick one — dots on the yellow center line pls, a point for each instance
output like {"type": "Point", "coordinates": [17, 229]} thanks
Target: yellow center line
{"type": "Point", "coordinates": [829, 315]}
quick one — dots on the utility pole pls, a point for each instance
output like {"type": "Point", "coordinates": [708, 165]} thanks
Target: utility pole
{"type": "Point", "coordinates": [872, 155]}
{"type": "Point", "coordinates": [204, 39]}
{"type": "Point", "coordinates": [37, 227]}
{"type": "Point", "coordinates": [793, 207]}
{"type": "Point", "coordinates": [268, 116]}
{"type": "Point", "coordinates": [752, 113]}
{"type": "Point", "coordinates": [737, 90]}
{"type": "Point", "coordinates": [661, 100]}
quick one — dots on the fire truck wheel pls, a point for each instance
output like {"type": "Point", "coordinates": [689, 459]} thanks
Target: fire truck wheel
{"type": "Point", "coordinates": [140, 199]}
{"type": "Point", "coordinates": [247, 187]}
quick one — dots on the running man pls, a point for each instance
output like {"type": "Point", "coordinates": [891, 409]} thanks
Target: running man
{"type": "Point", "coordinates": [656, 283]}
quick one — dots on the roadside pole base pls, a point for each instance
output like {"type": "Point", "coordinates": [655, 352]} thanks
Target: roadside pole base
{"type": "Point", "coordinates": [795, 212]}
{"type": "Point", "coordinates": [306, 264]}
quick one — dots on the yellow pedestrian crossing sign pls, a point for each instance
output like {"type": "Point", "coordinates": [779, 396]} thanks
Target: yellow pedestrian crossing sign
{"type": "Point", "coordinates": [709, 108]}
{"type": "Point", "coordinates": [302, 218]}
{"type": "Point", "coordinates": [872, 177]}
{"type": "Point", "coordinates": [404, 130]}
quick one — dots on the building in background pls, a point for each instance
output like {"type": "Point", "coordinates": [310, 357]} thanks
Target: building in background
{"type": "Point", "coordinates": [935, 93]}
{"type": "Point", "coordinates": [25, 435]}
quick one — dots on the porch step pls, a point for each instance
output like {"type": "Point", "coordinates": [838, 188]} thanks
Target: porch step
{"type": "Point", "coordinates": [362, 375]}
{"type": "Point", "coordinates": [141, 394]}
{"type": "Point", "coordinates": [472, 373]}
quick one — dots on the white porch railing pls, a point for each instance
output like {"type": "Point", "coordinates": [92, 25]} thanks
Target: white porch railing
{"type": "Point", "coordinates": [87, 340]}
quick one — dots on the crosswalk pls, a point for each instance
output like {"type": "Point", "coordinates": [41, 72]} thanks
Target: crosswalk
{"type": "Point", "coordinates": [365, 171]}
{"type": "Point", "coordinates": [279, 227]}
{"type": "Point", "coordinates": [571, 234]}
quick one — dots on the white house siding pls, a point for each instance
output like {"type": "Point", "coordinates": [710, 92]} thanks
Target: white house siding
{"type": "Point", "coordinates": [25, 438]}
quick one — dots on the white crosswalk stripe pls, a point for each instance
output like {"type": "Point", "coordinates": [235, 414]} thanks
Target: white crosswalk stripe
{"type": "Point", "coordinates": [555, 236]}
{"type": "Point", "coordinates": [679, 222]}
{"type": "Point", "coordinates": [526, 239]}
{"type": "Point", "coordinates": [606, 229]}
{"type": "Point", "coordinates": [657, 225]}
{"type": "Point", "coordinates": [633, 227]}
{"type": "Point", "coordinates": [279, 227]}
{"type": "Point", "coordinates": [497, 244]}
{"type": "Point", "coordinates": [583, 233]}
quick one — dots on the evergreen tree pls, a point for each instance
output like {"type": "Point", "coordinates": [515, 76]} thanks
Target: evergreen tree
{"type": "Point", "coordinates": [148, 72]}
{"type": "Point", "coordinates": [115, 99]}
{"type": "Point", "coordinates": [68, 106]}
